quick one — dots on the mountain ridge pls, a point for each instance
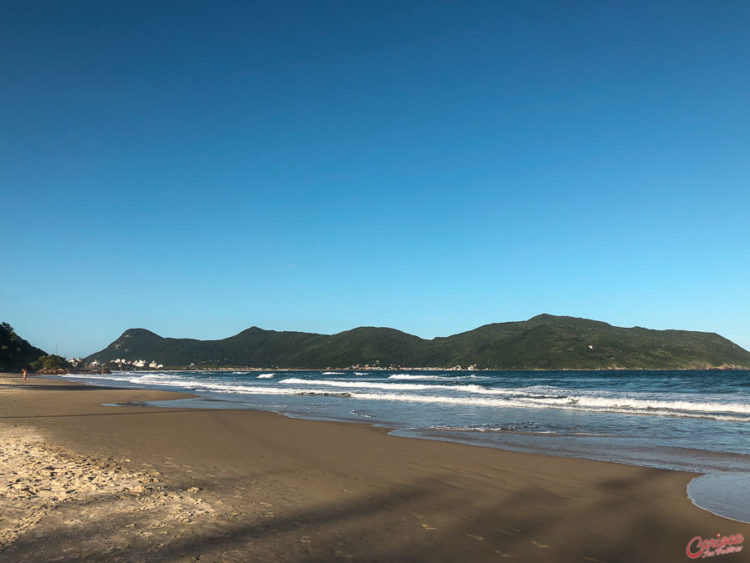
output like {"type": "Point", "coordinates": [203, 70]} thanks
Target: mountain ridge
{"type": "Point", "coordinates": [541, 342]}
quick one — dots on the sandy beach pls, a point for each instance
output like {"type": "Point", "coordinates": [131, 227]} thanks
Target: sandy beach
{"type": "Point", "coordinates": [83, 480]}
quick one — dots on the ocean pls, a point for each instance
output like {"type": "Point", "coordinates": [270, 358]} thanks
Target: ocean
{"type": "Point", "coordinates": [684, 420]}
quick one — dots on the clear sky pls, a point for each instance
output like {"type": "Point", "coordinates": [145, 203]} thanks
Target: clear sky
{"type": "Point", "coordinates": [196, 168]}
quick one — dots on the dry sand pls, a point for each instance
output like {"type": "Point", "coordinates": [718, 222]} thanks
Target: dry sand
{"type": "Point", "coordinates": [79, 480]}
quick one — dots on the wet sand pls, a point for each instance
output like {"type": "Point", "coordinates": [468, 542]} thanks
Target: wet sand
{"type": "Point", "coordinates": [81, 480]}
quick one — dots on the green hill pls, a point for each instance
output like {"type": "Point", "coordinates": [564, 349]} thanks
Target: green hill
{"type": "Point", "coordinates": [542, 342]}
{"type": "Point", "coordinates": [15, 352]}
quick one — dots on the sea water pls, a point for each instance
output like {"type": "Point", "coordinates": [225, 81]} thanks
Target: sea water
{"type": "Point", "coordinates": [685, 420]}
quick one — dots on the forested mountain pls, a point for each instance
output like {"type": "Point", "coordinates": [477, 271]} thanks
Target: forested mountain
{"type": "Point", "coordinates": [542, 342]}
{"type": "Point", "coordinates": [15, 352]}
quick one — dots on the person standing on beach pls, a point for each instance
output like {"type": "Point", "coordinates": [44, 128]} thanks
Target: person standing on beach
{"type": "Point", "coordinates": [23, 371]}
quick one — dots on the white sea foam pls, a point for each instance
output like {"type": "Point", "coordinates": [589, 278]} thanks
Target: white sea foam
{"type": "Point", "coordinates": [651, 404]}
{"type": "Point", "coordinates": [353, 384]}
{"type": "Point", "coordinates": [442, 377]}
{"type": "Point", "coordinates": [266, 375]}
{"type": "Point", "coordinates": [403, 386]}
{"type": "Point", "coordinates": [537, 396]}
{"type": "Point", "coordinates": [525, 397]}
{"type": "Point", "coordinates": [385, 386]}
{"type": "Point", "coordinates": [333, 373]}
{"type": "Point", "coordinates": [408, 377]}
{"type": "Point", "coordinates": [550, 396]}
{"type": "Point", "coordinates": [491, 402]}
{"type": "Point", "coordinates": [525, 429]}
{"type": "Point", "coordinates": [543, 389]}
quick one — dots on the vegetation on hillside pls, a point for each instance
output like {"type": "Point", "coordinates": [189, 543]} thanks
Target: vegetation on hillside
{"type": "Point", "coordinates": [15, 352]}
{"type": "Point", "coordinates": [51, 364]}
{"type": "Point", "coordinates": [542, 342]}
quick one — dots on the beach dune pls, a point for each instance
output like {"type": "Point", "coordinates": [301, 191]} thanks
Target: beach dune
{"type": "Point", "coordinates": [80, 479]}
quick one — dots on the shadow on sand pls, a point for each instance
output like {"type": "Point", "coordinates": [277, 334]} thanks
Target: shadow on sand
{"type": "Point", "coordinates": [424, 521]}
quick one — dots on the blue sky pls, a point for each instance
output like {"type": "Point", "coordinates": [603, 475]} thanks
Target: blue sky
{"type": "Point", "coordinates": [200, 167]}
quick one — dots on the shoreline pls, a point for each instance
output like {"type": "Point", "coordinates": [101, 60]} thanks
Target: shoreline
{"type": "Point", "coordinates": [290, 489]}
{"type": "Point", "coordinates": [401, 368]}
{"type": "Point", "coordinates": [703, 496]}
